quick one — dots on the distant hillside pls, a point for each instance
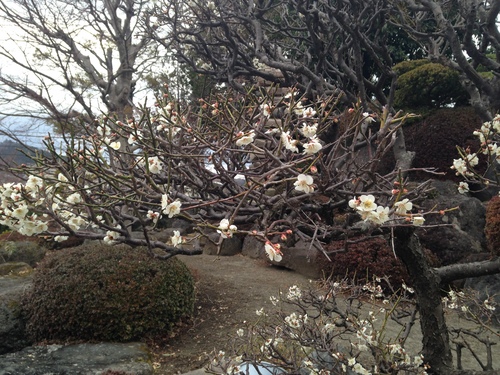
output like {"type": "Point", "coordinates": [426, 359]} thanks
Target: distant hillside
{"type": "Point", "coordinates": [13, 153]}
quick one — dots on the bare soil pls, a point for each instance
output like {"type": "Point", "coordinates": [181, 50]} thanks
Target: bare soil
{"type": "Point", "coordinates": [229, 291]}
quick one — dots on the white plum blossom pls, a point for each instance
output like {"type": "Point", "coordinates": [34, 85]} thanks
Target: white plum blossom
{"type": "Point", "coordinates": [60, 238]}
{"type": "Point", "coordinates": [366, 203]}
{"type": "Point", "coordinates": [308, 112]}
{"type": "Point", "coordinates": [460, 166]}
{"type": "Point", "coordinates": [273, 251]}
{"type": "Point", "coordinates": [176, 239]}
{"type": "Point", "coordinates": [225, 229]}
{"type": "Point", "coordinates": [133, 138]}
{"type": "Point", "coordinates": [489, 305]}
{"type": "Point", "coordinates": [294, 293]}
{"type": "Point", "coordinates": [367, 117]}
{"type": "Point", "coordinates": [294, 321]}
{"type": "Point", "coordinates": [298, 109]}
{"type": "Point", "coordinates": [403, 206]}
{"type": "Point", "coordinates": [111, 237]}
{"type": "Point", "coordinates": [62, 177]}
{"type": "Point", "coordinates": [304, 183]}
{"type": "Point", "coordinates": [76, 222]}
{"type": "Point", "coordinates": [266, 110]}
{"type": "Point", "coordinates": [74, 198]}
{"type": "Point", "coordinates": [155, 165]}
{"type": "Point", "coordinates": [115, 145]}
{"type": "Point", "coordinates": [309, 130]}
{"type": "Point", "coordinates": [472, 159]}
{"type": "Point", "coordinates": [20, 212]}
{"type": "Point", "coordinates": [34, 183]}
{"type": "Point", "coordinates": [288, 142]}
{"type": "Point", "coordinates": [152, 215]}
{"type": "Point", "coordinates": [418, 220]}
{"type": "Point", "coordinates": [313, 146]}
{"type": "Point", "coordinates": [463, 187]}
{"type": "Point", "coordinates": [245, 138]}
{"type": "Point", "coordinates": [172, 209]}
{"type": "Point", "coordinates": [379, 216]}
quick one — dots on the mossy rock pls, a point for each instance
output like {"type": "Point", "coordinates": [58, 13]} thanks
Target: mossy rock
{"type": "Point", "coordinates": [30, 252]}
{"type": "Point", "coordinates": [15, 269]}
{"type": "Point", "coordinates": [106, 293]}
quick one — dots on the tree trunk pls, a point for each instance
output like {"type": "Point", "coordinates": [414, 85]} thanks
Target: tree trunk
{"type": "Point", "coordinates": [426, 283]}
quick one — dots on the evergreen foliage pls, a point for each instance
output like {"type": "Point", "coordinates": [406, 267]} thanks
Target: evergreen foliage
{"type": "Point", "coordinates": [110, 293]}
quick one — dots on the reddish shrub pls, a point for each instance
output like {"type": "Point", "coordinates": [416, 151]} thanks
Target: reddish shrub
{"type": "Point", "coordinates": [492, 227]}
{"type": "Point", "coordinates": [436, 137]}
{"type": "Point", "coordinates": [365, 259]}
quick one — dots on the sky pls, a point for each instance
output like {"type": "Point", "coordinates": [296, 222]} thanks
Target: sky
{"type": "Point", "coordinates": [28, 130]}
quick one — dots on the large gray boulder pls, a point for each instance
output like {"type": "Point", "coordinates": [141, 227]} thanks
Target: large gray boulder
{"type": "Point", "coordinates": [82, 359]}
{"type": "Point", "coordinates": [229, 246]}
{"type": "Point", "coordinates": [300, 257]}
{"type": "Point", "coordinates": [14, 279]}
{"type": "Point", "coordinates": [464, 233]}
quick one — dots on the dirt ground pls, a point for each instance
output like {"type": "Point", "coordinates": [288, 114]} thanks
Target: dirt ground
{"type": "Point", "coordinates": [229, 291]}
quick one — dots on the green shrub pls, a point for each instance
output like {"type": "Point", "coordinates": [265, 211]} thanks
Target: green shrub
{"type": "Point", "coordinates": [110, 293]}
{"type": "Point", "coordinates": [429, 85]}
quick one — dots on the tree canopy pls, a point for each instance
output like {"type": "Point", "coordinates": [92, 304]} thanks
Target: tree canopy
{"type": "Point", "coordinates": [75, 59]}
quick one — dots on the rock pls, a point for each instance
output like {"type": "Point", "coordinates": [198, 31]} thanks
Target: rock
{"type": "Point", "coordinates": [465, 233]}
{"type": "Point", "coordinates": [253, 248]}
{"type": "Point", "coordinates": [302, 258]}
{"type": "Point", "coordinates": [12, 286]}
{"type": "Point", "coordinates": [230, 246]}
{"type": "Point", "coordinates": [21, 251]}
{"type": "Point", "coordinates": [81, 359]}
{"type": "Point", "coordinates": [15, 269]}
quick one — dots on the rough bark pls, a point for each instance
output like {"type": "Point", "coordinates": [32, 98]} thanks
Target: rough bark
{"type": "Point", "coordinates": [426, 283]}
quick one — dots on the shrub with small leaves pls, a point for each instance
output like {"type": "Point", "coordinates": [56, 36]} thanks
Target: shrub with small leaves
{"type": "Point", "coordinates": [364, 260]}
{"type": "Point", "coordinates": [492, 227]}
{"type": "Point", "coordinates": [110, 293]}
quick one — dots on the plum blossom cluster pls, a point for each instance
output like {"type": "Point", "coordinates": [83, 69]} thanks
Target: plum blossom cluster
{"type": "Point", "coordinates": [237, 157]}
{"type": "Point", "coordinates": [466, 166]}
{"type": "Point", "coordinates": [16, 200]}
{"type": "Point", "coordinates": [310, 329]}
{"type": "Point", "coordinates": [369, 211]}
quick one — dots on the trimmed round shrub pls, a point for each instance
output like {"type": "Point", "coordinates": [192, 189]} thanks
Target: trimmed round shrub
{"type": "Point", "coordinates": [106, 293]}
{"type": "Point", "coordinates": [430, 85]}
{"type": "Point", "coordinates": [492, 227]}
